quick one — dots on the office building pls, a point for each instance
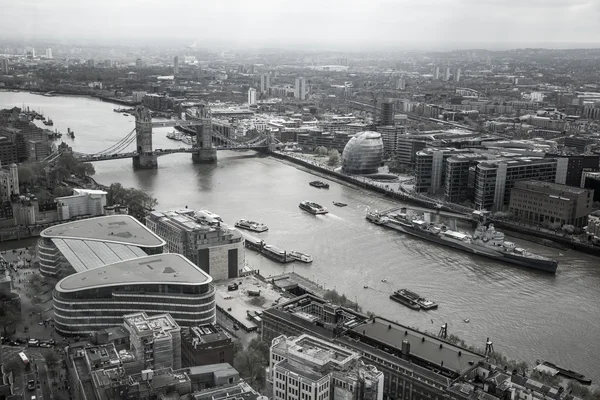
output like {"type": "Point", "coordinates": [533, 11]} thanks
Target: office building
{"type": "Point", "coordinates": [9, 182]}
{"type": "Point", "coordinates": [459, 183]}
{"type": "Point", "coordinates": [457, 75]}
{"type": "Point", "coordinates": [251, 96]}
{"type": "Point", "coordinates": [4, 66]}
{"type": "Point", "coordinates": [577, 164]}
{"type": "Point", "coordinates": [217, 249]}
{"type": "Point", "coordinates": [330, 140]}
{"type": "Point", "coordinates": [91, 63]}
{"type": "Point", "coordinates": [49, 53]}
{"type": "Point", "coordinates": [176, 65]}
{"type": "Point", "coordinates": [83, 202]}
{"type": "Point", "coordinates": [205, 345]}
{"type": "Point", "coordinates": [265, 83]}
{"type": "Point", "coordinates": [407, 147]}
{"type": "Point", "coordinates": [154, 341]}
{"type": "Point", "coordinates": [578, 143]}
{"type": "Point", "coordinates": [108, 63]}
{"type": "Point", "coordinates": [591, 180]}
{"type": "Point", "coordinates": [86, 244]}
{"type": "Point", "coordinates": [547, 202]}
{"type": "Point", "coordinates": [164, 283]}
{"type": "Point", "coordinates": [363, 154]}
{"type": "Point", "coordinates": [436, 73]}
{"type": "Point", "coordinates": [430, 168]}
{"type": "Point", "coordinates": [387, 113]}
{"type": "Point", "coordinates": [447, 74]}
{"type": "Point", "coordinates": [309, 368]}
{"type": "Point", "coordinates": [593, 227]}
{"type": "Point", "coordinates": [300, 89]}
{"type": "Point", "coordinates": [495, 179]}
{"type": "Point", "coordinates": [414, 364]}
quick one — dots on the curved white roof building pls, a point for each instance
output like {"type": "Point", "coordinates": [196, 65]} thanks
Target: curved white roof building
{"type": "Point", "coordinates": [97, 298]}
{"type": "Point", "coordinates": [94, 242]}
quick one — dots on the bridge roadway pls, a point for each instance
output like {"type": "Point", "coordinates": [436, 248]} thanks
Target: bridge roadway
{"type": "Point", "coordinates": [158, 153]}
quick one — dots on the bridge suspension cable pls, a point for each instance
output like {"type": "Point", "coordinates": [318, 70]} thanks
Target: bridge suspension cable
{"type": "Point", "coordinates": [115, 148]}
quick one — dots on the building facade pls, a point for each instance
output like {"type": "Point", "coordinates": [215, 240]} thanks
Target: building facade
{"type": "Point", "coordinates": [205, 345]}
{"type": "Point", "coordinates": [430, 168]}
{"type": "Point", "coordinates": [309, 368]}
{"type": "Point", "coordinates": [217, 249]}
{"type": "Point", "coordinates": [165, 283]}
{"type": "Point", "coordinates": [251, 96]}
{"type": "Point", "coordinates": [300, 89]}
{"type": "Point", "coordinates": [82, 202]}
{"type": "Point", "coordinates": [540, 202]}
{"type": "Point", "coordinates": [9, 182]}
{"type": "Point", "coordinates": [494, 180]}
{"type": "Point", "coordinates": [387, 113]}
{"type": "Point", "coordinates": [363, 154]}
{"type": "Point", "coordinates": [155, 341]}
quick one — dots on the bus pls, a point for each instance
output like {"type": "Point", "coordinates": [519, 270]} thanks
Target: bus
{"type": "Point", "coordinates": [25, 360]}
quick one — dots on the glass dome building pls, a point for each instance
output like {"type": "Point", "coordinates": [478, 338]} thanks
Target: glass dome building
{"type": "Point", "coordinates": [363, 153]}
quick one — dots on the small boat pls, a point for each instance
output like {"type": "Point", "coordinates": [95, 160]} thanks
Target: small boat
{"type": "Point", "coordinates": [339, 204]}
{"type": "Point", "coordinates": [251, 225]}
{"type": "Point", "coordinates": [365, 287]}
{"type": "Point", "coordinates": [466, 320]}
{"type": "Point", "coordinates": [384, 280]}
{"type": "Point", "coordinates": [125, 115]}
{"type": "Point", "coordinates": [296, 255]}
{"type": "Point", "coordinates": [312, 207]}
{"type": "Point", "coordinates": [319, 184]}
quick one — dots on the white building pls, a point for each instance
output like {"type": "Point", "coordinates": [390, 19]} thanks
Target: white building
{"type": "Point", "coordinates": [457, 75]}
{"type": "Point", "coordinates": [436, 73]}
{"type": "Point", "coordinates": [9, 181]}
{"type": "Point", "coordinates": [401, 84]}
{"type": "Point", "coordinates": [82, 202]}
{"type": "Point", "coordinates": [265, 83]}
{"type": "Point", "coordinates": [251, 96]}
{"type": "Point", "coordinates": [300, 89]}
{"type": "Point", "coordinates": [49, 53]}
{"type": "Point", "coordinates": [307, 368]}
{"type": "Point", "coordinates": [447, 74]}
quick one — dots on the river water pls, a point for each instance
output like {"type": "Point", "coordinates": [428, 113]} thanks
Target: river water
{"type": "Point", "coordinates": [527, 314]}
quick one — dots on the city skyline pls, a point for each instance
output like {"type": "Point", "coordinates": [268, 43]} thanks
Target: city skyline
{"type": "Point", "coordinates": [344, 25]}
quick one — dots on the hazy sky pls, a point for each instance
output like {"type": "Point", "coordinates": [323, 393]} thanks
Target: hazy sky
{"type": "Point", "coordinates": [356, 24]}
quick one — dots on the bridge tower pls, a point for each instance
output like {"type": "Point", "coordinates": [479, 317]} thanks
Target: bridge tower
{"type": "Point", "coordinates": [205, 152]}
{"type": "Point", "coordinates": [145, 158]}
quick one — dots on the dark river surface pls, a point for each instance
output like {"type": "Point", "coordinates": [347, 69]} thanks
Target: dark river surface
{"type": "Point", "coordinates": [527, 314]}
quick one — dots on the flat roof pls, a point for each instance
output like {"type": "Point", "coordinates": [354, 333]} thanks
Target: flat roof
{"type": "Point", "coordinates": [122, 229]}
{"type": "Point", "coordinates": [422, 346]}
{"type": "Point", "coordinates": [90, 254]}
{"type": "Point", "coordinates": [168, 268]}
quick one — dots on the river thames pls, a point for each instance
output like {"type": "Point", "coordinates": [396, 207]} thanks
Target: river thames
{"type": "Point", "coordinates": [528, 315]}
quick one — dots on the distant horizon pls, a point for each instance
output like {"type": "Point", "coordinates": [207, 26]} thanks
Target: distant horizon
{"type": "Point", "coordinates": [342, 25]}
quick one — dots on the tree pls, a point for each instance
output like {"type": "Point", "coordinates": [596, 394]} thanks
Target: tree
{"type": "Point", "coordinates": [26, 175]}
{"type": "Point", "coordinates": [9, 316]}
{"type": "Point", "coordinates": [51, 360]}
{"type": "Point", "coordinates": [568, 229]}
{"type": "Point", "coordinates": [251, 365]}
{"type": "Point", "coordinates": [13, 365]}
{"type": "Point", "coordinates": [139, 203]}
{"type": "Point", "coordinates": [321, 151]}
{"type": "Point", "coordinates": [61, 191]}
{"type": "Point", "coordinates": [334, 158]}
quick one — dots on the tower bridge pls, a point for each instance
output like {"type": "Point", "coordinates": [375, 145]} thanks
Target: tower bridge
{"type": "Point", "coordinates": [204, 149]}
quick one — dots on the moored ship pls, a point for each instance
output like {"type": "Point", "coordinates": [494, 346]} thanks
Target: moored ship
{"type": "Point", "coordinates": [312, 207]}
{"type": "Point", "coordinates": [174, 135]}
{"type": "Point", "coordinates": [296, 255]}
{"type": "Point", "coordinates": [567, 373]}
{"type": "Point", "coordinates": [399, 297]}
{"type": "Point", "coordinates": [485, 241]}
{"type": "Point", "coordinates": [421, 301]}
{"type": "Point", "coordinates": [276, 254]}
{"type": "Point", "coordinates": [251, 225]}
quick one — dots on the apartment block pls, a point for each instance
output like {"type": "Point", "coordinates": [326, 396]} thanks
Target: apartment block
{"type": "Point", "coordinates": [430, 168]}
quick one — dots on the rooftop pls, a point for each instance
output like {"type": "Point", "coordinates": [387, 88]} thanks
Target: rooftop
{"type": "Point", "coordinates": [121, 229]}
{"type": "Point", "coordinates": [549, 187]}
{"type": "Point", "coordinates": [168, 268]}
{"type": "Point", "coordinates": [422, 346]}
{"type": "Point", "coordinates": [141, 323]}
{"type": "Point", "coordinates": [89, 254]}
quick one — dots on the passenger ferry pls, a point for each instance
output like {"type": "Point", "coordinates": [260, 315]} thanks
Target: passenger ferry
{"type": "Point", "coordinates": [251, 225]}
{"type": "Point", "coordinates": [305, 258]}
{"type": "Point", "coordinates": [312, 207]}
